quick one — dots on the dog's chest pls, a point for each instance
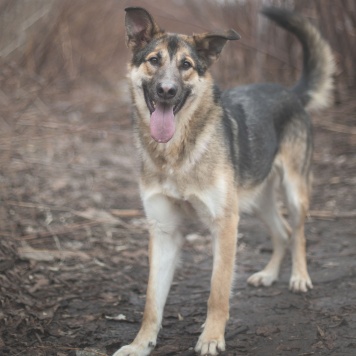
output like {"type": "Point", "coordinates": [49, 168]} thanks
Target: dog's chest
{"type": "Point", "coordinates": [208, 202]}
{"type": "Point", "coordinates": [175, 186]}
{"type": "Point", "coordinates": [170, 189]}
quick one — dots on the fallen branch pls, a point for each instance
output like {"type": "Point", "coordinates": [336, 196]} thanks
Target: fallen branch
{"type": "Point", "coordinates": [332, 126]}
{"type": "Point", "coordinates": [23, 204]}
{"type": "Point", "coordinates": [126, 212]}
{"type": "Point", "coordinates": [29, 253]}
{"type": "Point", "coordinates": [68, 229]}
{"type": "Point", "coordinates": [324, 214]}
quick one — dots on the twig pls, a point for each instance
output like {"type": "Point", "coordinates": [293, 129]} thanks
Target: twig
{"type": "Point", "coordinates": [331, 126]}
{"type": "Point", "coordinates": [126, 212]}
{"type": "Point", "coordinates": [24, 204]}
{"type": "Point", "coordinates": [30, 253]}
{"type": "Point", "coordinates": [66, 230]}
{"type": "Point", "coordinates": [324, 214]}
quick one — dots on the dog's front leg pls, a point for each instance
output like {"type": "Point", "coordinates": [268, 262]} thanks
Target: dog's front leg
{"type": "Point", "coordinates": [212, 339]}
{"type": "Point", "coordinates": [164, 247]}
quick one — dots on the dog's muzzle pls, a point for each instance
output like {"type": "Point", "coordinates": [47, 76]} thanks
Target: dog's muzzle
{"type": "Point", "coordinates": [163, 110]}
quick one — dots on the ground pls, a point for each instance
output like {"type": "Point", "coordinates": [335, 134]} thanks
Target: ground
{"type": "Point", "coordinates": [73, 248]}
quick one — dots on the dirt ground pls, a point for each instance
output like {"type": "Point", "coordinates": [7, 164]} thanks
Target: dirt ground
{"type": "Point", "coordinates": [73, 248]}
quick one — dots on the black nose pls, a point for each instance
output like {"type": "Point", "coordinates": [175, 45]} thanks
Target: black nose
{"type": "Point", "coordinates": [166, 90]}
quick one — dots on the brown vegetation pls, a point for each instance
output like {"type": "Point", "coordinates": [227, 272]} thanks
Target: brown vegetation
{"type": "Point", "coordinates": [72, 235]}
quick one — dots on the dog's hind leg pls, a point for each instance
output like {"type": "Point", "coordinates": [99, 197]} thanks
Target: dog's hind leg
{"type": "Point", "coordinates": [268, 211]}
{"type": "Point", "coordinates": [165, 243]}
{"type": "Point", "coordinates": [297, 188]}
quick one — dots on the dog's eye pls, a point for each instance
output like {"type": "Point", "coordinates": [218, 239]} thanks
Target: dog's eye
{"type": "Point", "coordinates": [186, 65]}
{"type": "Point", "coordinates": [154, 61]}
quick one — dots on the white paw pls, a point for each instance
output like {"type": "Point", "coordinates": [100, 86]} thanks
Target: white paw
{"type": "Point", "coordinates": [209, 347]}
{"type": "Point", "coordinates": [300, 283]}
{"type": "Point", "coordinates": [262, 278]}
{"type": "Point", "coordinates": [135, 350]}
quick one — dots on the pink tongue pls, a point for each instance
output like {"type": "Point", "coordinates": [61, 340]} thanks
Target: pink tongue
{"type": "Point", "coordinates": [162, 123]}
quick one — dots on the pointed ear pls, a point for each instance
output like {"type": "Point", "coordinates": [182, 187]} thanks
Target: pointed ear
{"type": "Point", "coordinates": [140, 27]}
{"type": "Point", "coordinates": [210, 45]}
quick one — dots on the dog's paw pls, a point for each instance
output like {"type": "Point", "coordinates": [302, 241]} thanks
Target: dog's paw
{"type": "Point", "coordinates": [135, 350]}
{"type": "Point", "coordinates": [209, 347]}
{"type": "Point", "coordinates": [262, 278]}
{"type": "Point", "coordinates": [300, 283]}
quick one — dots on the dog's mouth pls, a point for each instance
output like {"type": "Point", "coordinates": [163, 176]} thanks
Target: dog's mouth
{"type": "Point", "coordinates": [162, 123]}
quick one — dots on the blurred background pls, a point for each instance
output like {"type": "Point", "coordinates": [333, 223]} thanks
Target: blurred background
{"type": "Point", "coordinates": [65, 42]}
{"type": "Point", "coordinates": [68, 174]}
{"type": "Point", "coordinates": [65, 133]}
{"type": "Point", "coordinates": [63, 92]}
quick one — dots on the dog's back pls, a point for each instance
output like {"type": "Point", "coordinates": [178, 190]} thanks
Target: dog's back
{"type": "Point", "coordinates": [257, 115]}
{"type": "Point", "coordinates": [256, 118]}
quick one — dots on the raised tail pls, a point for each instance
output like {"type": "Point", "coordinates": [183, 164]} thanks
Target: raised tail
{"type": "Point", "coordinates": [315, 86]}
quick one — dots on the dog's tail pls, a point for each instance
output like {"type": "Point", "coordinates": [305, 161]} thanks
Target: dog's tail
{"type": "Point", "coordinates": [316, 83]}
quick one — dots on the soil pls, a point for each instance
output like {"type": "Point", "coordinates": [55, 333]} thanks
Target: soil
{"type": "Point", "coordinates": [73, 248]}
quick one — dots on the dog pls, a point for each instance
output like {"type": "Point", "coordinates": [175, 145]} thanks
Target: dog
{"type": "Point", "coordinates": [211, 155]}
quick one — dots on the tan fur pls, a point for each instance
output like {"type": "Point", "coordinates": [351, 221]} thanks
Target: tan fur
{"type": "Point", "coordinates": [322, 96]}
{"type": "Point", "coordinates": [193, 175]}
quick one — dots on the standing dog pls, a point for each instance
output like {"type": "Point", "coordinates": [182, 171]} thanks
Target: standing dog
{"type": "Point", "coordinates": [214, 154]}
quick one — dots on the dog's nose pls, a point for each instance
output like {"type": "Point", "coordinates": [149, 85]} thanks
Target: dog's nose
{"type": "Point", "coordinates": [166, 90]}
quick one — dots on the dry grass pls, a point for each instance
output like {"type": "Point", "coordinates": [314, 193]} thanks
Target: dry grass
{"type": "Point", "coordinates": [62, 78]}
{"type": "Point", "coordinates": [63, 41]}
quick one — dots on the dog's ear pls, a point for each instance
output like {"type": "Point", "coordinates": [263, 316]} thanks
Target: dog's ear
{"type": "Point", "coordinates": [140, 27]}
{"type": "Point", "coordinates": [210, 45]}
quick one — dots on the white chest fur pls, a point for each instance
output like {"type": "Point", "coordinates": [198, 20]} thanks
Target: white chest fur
{"type": "Point", "coordinates": [208, 202]}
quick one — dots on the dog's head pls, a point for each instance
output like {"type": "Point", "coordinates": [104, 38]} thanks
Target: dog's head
{"type": "Point", "coordinates": [168, 67]}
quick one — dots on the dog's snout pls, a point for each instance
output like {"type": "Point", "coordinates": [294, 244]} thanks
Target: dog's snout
{"type": "Point", "coordinates": [167, 90]}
